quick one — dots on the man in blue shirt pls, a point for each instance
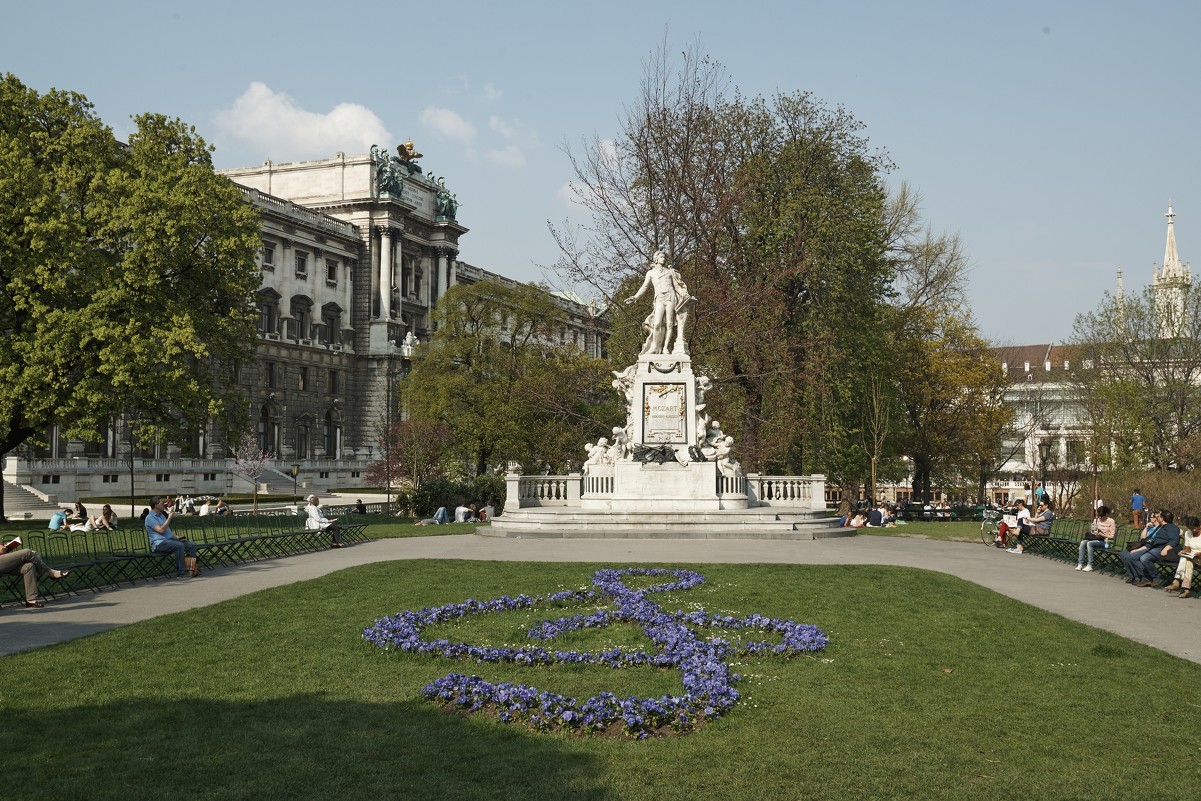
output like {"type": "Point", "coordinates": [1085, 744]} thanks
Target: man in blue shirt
{"type": "Point", "coordinates": [1140, 563]}
{"type": "Point", "coordinates": [162, 539]}
{"type": "Point", "coordinates": [58, 520]}
{"type": "Point", "coordinates": [1137, 504]}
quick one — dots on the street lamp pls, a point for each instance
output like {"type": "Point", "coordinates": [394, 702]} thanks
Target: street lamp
{"type": "Point", "coordinates": [1044, 453]}
{"type": "Point", "coordinates": [294, 471]}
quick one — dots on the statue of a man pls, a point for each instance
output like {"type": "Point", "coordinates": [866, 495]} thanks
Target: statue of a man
{"type": "Point", "coordinates": [662, 321]}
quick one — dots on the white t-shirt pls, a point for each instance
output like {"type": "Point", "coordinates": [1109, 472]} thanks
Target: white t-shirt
{"type": "Point", "coordinates": [461, 514]}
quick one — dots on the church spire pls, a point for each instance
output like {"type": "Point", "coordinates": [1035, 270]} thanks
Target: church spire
{"type": "Point", "coordinates": [1172, 268]}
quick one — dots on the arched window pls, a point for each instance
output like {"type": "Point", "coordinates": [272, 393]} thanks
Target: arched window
{"type": "Point", "coordinates": [264, 428]}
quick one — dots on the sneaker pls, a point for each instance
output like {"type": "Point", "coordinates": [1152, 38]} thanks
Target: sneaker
{"type": "Point", "coordinates": [1145, 583]}
{"type": "Point", "coordinates": [1079, 567]}
{"type": "Point", "coordinates": [1013, 550]}
{"type": "Point", "coordinates": [1088, 568]}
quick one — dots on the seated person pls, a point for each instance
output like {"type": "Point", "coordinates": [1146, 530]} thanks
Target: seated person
{"type": "Point", "coordinates": [360, 508]}
{"type": "Point", "coordinates": [1183, 579]}
{"type": "Point", "coordinates": [15, 560]}
{"type": "Point", "coordinates": [318, 520]}
{"type": "Point", "coordinates": [1140, 561]}
{"type": "Point", "coordinates": [1039, 526]}
{"type": "Point", "coordinates": [858, 520]}
{"type": "Point", "coordinates": [1100, 535]}
{"type": "Point", "coordinates": [107, 519]}
{"type": "Point", "coordinates": [58, 520]}
{"type": "Point", "coordinates": [206, 508]}
{"type": "Point", "coordinates": [462, 513]}
{"type": "Point", "coordinates": [222, 509]}
{"type": "Point", "coordinates": [79, 515]}
{"type": "Point", "coordinates": [163, 540]}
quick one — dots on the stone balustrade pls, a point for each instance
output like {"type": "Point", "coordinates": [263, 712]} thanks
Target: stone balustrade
{"type": "Point", "coordinates": [806, 492]}
{"type": "Point", "coordinates": [803, 492]}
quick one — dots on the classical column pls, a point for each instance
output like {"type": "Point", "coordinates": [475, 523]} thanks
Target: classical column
{"type": "Point", "coordinates": [385, 272]}
{"type": "Point", "coordinates": [441, 273]}
{"type": "Point", "coordinates": [400, 285]}
{"type": "Point", "coordinates": [454, 271]}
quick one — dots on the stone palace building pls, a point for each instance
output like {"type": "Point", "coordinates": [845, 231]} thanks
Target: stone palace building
{"type": "Point", "coordinates": [356, 252]}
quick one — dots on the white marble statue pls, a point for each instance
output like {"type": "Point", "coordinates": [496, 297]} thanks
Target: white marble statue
{"type": "Point", "coordinates": [673, 303]}
{"type": "Point", "coordinates": [725, 461]}
{"type": "Point", "coordinates": [624, 383]}
{"type": "Point", "coordinates": [598, 453]}
{"type": "Point", "coordinates": [621, 450]}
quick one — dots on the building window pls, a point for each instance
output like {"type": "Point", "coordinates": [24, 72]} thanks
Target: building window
{"type": "Point", "coordinates": [354, 473]}
{"type": "Point", "coordinates": [302, 378]}
{"type": "Point", "coordinates": [331, 319]}
{"type": "Point", "coordinates": [268, 256]}
{"type": "Point", "coordinates": [301, 309]}
{"type": "Point", "coordinates": [331, 272]}
{"type": "Point", "coordinates": [109, 478]}
{"type": "Point", "coordinates": [269, 374]}
{"type": "Point", "coordinates": [331, 382]}
{"type": "Point", "coordinates": [162, 478]}
{"type": "Point", "coordinates": [50, 479]}
{"type": "Point", "coordinates": [209, 477]}
{"type": "Point", "coordinates": [323, 474]}
{"type": "Point", "coordinates": [264, 429]}
{"type": "Point", "coordinates": [302, 265]}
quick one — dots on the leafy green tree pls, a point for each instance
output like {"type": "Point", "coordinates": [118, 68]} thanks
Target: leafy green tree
{"type": "Point", "coordinates": [128, 273]}
{"type": "Point", "coordinates": [497, 378]}
{"type": "Point", "coordinates": [418, 452]}
{"type": "Point", "coordinates": [1139, 379]}
{"type": "Point", "coordinates": [774, 212]}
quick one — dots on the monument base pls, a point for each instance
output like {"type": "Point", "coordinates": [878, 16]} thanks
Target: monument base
{"type": "Point", "coordinates": [668, 487]}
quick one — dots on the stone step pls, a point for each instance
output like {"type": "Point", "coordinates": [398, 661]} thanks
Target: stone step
{"type": "Point", "coordinates": [763, 523]}
{"type": "Point", "coordinates": [18, 501]}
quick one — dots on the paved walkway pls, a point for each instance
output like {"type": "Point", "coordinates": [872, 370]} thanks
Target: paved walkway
{"type": "Point", "coordinates": [1148, 616]}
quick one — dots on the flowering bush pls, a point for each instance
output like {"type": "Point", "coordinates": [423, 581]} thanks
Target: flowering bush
{"type": "Point", "coordinates": [707, 679]}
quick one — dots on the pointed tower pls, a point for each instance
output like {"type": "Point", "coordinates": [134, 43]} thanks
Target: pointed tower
{"type": "Point", "coordinates": [1170, 284]}
{"type": "Point", "coordinates": [1119, 298]}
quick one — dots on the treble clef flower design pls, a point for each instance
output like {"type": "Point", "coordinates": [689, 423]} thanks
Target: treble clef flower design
{"type": "Point", "coordinates": [707, 679]}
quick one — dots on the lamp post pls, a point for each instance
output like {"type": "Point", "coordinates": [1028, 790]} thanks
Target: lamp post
{"type": "Point", "coordinates": [294, 471]}
{"type": "Point", "coordinates": [1044, 453]}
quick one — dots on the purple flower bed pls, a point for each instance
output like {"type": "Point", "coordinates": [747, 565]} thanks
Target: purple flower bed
{"type": "Point", "coordinates": [708, 681]}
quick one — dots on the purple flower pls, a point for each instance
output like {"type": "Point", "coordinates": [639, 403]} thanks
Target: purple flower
{"type": "Point", "coordinates": [705, 675]}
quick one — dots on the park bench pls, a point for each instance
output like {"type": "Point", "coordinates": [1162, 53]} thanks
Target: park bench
{"type": "Point", "coordinates": [99, 559]}
{"type": "Point", "coordinates": [1063, 542]}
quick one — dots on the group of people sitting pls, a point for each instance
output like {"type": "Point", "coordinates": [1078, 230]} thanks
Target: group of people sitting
{"type": "Point", "coordinates": [1019, 524]}
{"type": "Point", "coordinates": [78, 519]}
{"type": "Point", "coordinates": [464, 513]}
{"type": "Point", "coordinates": [880, 516]}
{"type": "Point", "coordinates": [1161, 541]}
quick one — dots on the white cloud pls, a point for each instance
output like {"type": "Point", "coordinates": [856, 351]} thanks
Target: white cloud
{"type": "Point", "coordinates": [448, 123]}
{"type": "Point", "coordinates": [273, 121]}
{"type": "Point", "coordinates": [492, 93]}
{"type": "Point", "coordinates": [501, 127]}
{"type": "Point", "coordinates": [509, 156]}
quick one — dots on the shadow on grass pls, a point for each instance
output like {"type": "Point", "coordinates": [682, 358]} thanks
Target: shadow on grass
{"type": "Point", "coordinates": [301, 746]}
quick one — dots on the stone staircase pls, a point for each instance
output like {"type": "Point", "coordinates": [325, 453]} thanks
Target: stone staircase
{"type": "Point", "coordinates": [759, 523]}
{"type": "Point", "coordinates": [19, 501]}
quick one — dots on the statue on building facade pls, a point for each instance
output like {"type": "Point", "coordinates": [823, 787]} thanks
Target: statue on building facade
{"type": "Point", "coordinates": [445, 204]}
{"type": "Point", "coordinates": [390, 171]}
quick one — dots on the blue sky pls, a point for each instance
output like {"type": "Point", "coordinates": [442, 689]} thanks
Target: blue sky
{"type": "Point", "coordinates": [1049, 135]}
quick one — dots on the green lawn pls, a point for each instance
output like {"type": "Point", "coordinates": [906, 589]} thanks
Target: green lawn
{"type": "Point", "coordinates": [932, 688]}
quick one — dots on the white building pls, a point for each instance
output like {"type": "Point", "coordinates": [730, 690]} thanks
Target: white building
{"type": "Point", "coordinates": [356, 253]}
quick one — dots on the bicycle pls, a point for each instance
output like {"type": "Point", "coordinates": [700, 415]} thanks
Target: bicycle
{"type": "Point", "coordinates": [990, 526]}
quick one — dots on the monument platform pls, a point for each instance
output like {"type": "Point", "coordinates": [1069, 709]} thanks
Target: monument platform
{"type": "Point", "coordinates": [760, 523]}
